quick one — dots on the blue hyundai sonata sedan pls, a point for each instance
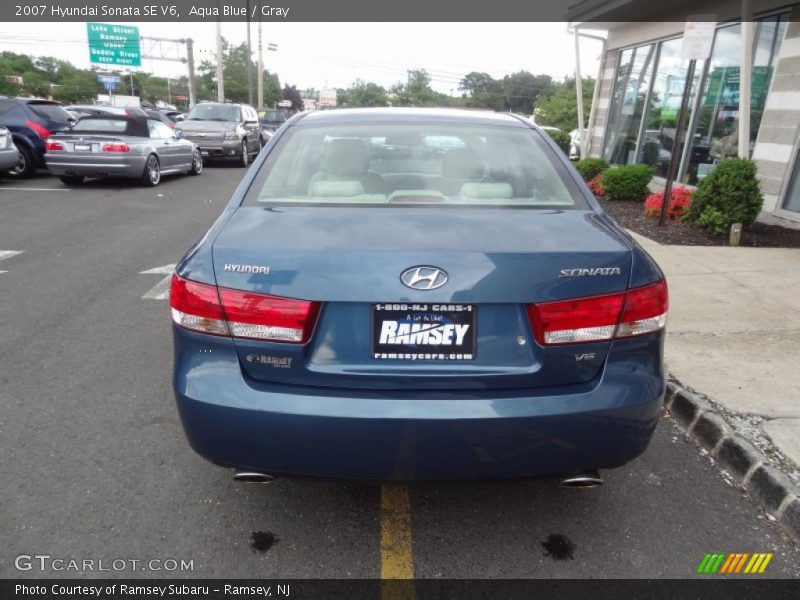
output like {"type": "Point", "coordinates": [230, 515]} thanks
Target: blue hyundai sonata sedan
{"type": "Point", "coordinates": [417, 294]}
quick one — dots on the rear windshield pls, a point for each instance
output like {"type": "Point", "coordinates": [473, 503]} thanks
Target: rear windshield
{"type": "Point", "coordinates": [414, 164]}
{"type": "Point", "coordinates": [110, 126]}
{"type": "Point", "coordinates": [274, 115]}
{"type": "Point", "coordinates": [50, 111]}
{"type": "Point", "coordinates": [214, 113]}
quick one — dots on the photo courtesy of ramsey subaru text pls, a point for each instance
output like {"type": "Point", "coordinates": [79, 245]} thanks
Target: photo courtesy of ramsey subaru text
{"type": "Point", "coordinates": [417, 294]}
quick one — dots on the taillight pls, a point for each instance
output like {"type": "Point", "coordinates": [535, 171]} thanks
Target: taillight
{"type": "Point", "coordinates": [39, 130]}
{"type": "Point", "coordinates": [52, 146]}
{"type": "Point", "coordinates": [599, 318]}
{"type": "Point", "coordinates": [196, 306]}
{"type": "Point", "coordinates": [222, 311]}
{"type": "Point", "coordinates": [116, 148]}
{"type": "Point", "coordinates": [645, 310]}
{"type": "Point", "coordinates": [267, 317]}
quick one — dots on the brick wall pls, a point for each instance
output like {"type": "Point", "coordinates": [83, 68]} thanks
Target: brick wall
{"type": "Point", "coordinates": [780, 124]}
{"type": "Point", "coordinates": [606, 84]}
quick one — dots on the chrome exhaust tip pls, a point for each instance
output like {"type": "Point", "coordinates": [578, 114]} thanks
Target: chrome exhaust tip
{"type": "Point", "coordinates": [584, 479]}
{"type": "Point", "coordinates": [252, 476]}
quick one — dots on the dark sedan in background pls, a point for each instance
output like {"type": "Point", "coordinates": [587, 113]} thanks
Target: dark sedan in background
{"type": "Point", "coordinates": [118, 146]}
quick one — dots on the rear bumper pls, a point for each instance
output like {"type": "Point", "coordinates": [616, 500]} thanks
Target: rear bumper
{"type": "Point", "coordinates": [95, 166]}
{"type": "Point", "coordinates": [9, 157]}
{"type": "Point", "coordinates": [412, 435]}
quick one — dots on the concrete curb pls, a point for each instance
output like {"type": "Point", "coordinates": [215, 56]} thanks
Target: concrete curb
{"type": "Point", "coordinates": [770, 487]}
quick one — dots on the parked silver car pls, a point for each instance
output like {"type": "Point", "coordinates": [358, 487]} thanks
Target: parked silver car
{"type": "Point", "coordinates": [9, 155]}
{"type": "Point", "coordinates": [118, 146]}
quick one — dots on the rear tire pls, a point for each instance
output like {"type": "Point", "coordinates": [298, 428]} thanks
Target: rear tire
{"type": "Point", "coordinates": [152, 171]}
{"type": "Point", "coordinates": [26, 166]}
{"type": "Point", "coordinates": [245, 160]}
{"type": "Point", "coordinates": [71, 179]}
{"type": "Point", "coordinates": [197, 163]}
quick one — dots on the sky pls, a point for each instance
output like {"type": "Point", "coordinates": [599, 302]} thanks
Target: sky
{"type": "Point", "coordinates": [322, 55]}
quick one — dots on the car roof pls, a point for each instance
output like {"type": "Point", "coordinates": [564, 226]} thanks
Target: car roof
{"type": "Point", "coordinates": [35, 100]}
{"type": "Point", "coordinates": [397, 114]}
{"type": "Point", "coordinates": [204, 103]}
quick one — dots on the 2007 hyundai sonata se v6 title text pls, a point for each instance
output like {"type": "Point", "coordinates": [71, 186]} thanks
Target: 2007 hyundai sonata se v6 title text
{"type": "Point", "coordinates": [413, 294]}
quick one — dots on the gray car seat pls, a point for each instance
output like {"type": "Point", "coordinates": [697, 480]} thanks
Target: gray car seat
{"type": "Point", "coordinates": [348, 160]}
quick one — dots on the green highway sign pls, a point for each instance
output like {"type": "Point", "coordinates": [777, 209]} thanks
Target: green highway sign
{"type": "Point", "coordinates": [114, 44]}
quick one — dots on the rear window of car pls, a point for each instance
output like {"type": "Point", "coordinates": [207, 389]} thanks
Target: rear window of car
{"type": "Point", "coordinates": [274, 115]}
{"type": "Point", "coordinates": [414, 164]}
{"type": "Point", "coordinates": [49, 110]}
{"type": "Point", "coordinates": [109, 125]}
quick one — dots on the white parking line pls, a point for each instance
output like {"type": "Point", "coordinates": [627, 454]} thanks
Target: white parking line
{"type": "Point", "coordinates": [160, 291]}
{"type": "Point", "coordinates": [4, 254]}
{"type": "Point", "coordinates": [26, 189]}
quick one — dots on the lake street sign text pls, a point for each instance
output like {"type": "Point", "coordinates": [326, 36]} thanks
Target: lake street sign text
{"type": "Point", "coordinates": [114, 44]}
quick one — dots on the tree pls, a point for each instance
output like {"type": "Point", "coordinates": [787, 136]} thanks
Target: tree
{"type": "Point", "coordinates": [522, 90]}
{"type": "Point", "coordinates": [482, 90]}
{"type": "Point", "coordinates": [290, 93]}
{"type": "Point", "coordinates": [362, 93]}
{"type": "Point", "coordinates": [561, 109]}
{"type": "Point", "coordinates": [234, 70]}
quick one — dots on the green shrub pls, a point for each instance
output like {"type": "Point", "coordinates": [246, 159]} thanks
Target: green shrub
{"type": "Point", "coordinates": [561, 138]}
{"type": "Point", "coordinates": [628, 182]}
{"type": "Point", "coordinates": [729, 194]}
{"type": "Point", "coordinates": [589, 168]}
{"type": "Point", "coordinates": [651, 153]}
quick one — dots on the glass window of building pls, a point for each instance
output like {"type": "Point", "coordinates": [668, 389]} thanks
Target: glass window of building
{"type": "Point", "coordinates": [665, 101]}
{"type": "Point", "coordinates": [716, 134]}
{"type": "Point", "coordinates": [627, 104]}
{"type": "Point", "coordinates": [791, 200]}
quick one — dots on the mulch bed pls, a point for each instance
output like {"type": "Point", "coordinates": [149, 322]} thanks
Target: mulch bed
{"type": "Point", "coordinates": [630, 215]}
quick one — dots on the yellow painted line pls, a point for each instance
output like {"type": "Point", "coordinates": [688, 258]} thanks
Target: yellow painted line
{"type": "Point", "coordinates": [396, 558]}
{"type": "Point", "coordinates": [765, 563]}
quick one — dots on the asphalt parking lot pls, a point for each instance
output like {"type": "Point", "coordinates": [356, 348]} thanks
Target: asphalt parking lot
{"type": "Point", "coordinates": [95, 465]}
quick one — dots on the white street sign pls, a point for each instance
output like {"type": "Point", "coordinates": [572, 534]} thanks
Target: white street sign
{"type": "Point", "coordinates": [160, 291]}
{"type": "Point", "coordinates": [698, 37]}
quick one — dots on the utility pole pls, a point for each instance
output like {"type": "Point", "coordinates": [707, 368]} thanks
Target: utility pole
{"type": "Point", "coordinates": [260, 64]}
{"type": "Point", "coordinates": [249, 59]}
{"type": "Point", "coordinates": [169, 93]}
{"type": "Point", "coordinates": [190, 60]}
{"type": "Point", "coordinates": [220, 81]}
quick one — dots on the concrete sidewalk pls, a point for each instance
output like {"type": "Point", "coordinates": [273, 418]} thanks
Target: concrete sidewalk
{"type": "Point", "coordinates": [734, 336]}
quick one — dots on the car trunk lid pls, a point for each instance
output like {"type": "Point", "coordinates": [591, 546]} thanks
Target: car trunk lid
{"type": "Point", "coordinates": [351, 260]}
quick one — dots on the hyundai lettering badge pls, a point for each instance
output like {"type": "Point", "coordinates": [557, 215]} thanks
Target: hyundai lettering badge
{"type": "Point", "coordinates": [424, 278]}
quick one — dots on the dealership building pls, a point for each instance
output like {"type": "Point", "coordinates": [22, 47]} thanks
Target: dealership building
{"type": "Point", "coordinates": [641, 81]}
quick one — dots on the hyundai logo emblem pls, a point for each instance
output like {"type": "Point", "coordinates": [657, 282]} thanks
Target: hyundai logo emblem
{"type": "Point", "coordinates": [424, 278]}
